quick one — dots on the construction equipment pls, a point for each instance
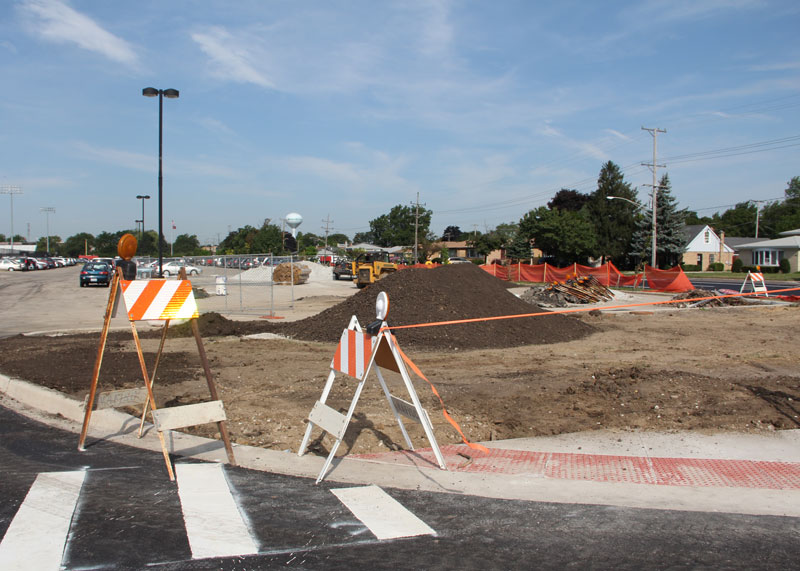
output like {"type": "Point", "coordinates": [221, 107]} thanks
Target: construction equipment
{"type": "Point", "coordinates": [371, 267]}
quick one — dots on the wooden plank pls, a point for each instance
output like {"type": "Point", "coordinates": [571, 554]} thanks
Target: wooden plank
{"type": "Point", "coordinates": [188, 415]}
{"type": "Point", "coordinates": [406, 409]}
{"type": "Point", "coordinates": [115, 399]}
{"type": "Point", "coordinates": [329, 420]}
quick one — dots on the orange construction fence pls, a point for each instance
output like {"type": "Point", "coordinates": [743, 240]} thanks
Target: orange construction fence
{"type": "Point", "coordinates": [673, 280]}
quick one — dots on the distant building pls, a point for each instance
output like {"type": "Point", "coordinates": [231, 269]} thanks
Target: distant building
{"type": "Point", "coordinates": [769, 253]}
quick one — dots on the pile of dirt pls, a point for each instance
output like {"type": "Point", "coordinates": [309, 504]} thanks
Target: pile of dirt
{"type": "Point", "coordinates": [421, 295]}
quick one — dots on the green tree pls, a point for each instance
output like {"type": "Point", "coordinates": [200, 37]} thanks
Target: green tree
{"type": "Point", "coordinates": [779, 217]}
{"type": "Point", "coordinates": [55, 244]}
{"type": "Point", "coordinates": [397, 228]}
{"type": "Point", "coordinates": [338, 238]}
{"type": "Point", "coordinates": [485, 244]}
{"type": "Point", "coordinates": [564, 235]}
{"type": "Point", "coordinates": [506, 232]}
{"type": "Point", "coordinates": [670, 239]}
{"type": "Point", "coordinates": [566, 199]}
{"type": "Point", "coordinates": [268, 240]}
{"type": "Point", "coordinates": [614, 221]}
{"type": "Point", "coordinates": [3, 238]}
{"type": "Point", "coordinates": [186, 245]}
{"type": "Point", "coordinates": [452, 234]}
{"type": "Point", "coordinates": [306, 239]}
{"type": "Point", "coordinates": [78, 245]}
{"type": "Point", "coordinates": [105, 244]}
{"type": "Point", "coordinates": [519, 249]}
{"type": "Point", "coordinates": [364, 237]}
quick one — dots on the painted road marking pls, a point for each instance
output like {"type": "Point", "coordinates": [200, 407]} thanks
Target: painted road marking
{"type": "Point", "coordinates": [38, 533]}
{"type": "Point", "coordinates": [381, 513]}
{"type": "Point", "coordinates": [214, 524]}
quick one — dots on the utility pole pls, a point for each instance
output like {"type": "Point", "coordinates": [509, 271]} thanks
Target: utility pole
{"type": "Point", "coordinates": [416, 229]}
{"type": "Point", "coordinates": [653, 167]}
{"type": "Point", "coordinates": [327, 226]}
{"type": "Point", "coordinates": [758, 204]}
{"type": "Point", "coordinates": [47, 210]}
{"type": "Point", "coordinates": [11, 190]}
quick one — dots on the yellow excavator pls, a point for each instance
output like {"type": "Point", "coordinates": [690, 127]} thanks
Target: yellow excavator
{"type": "Point", "coordinates": [369, 268]}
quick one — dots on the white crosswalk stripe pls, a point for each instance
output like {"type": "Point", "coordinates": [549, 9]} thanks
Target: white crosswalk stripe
{"type": "Point", "coordinates": [214, 524]}
{"type": "Point", "coordinates": [382, 514]}
{"type": "Point", "coordinates": [38, 533]}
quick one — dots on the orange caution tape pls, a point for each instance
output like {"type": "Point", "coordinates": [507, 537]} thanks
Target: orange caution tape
{"type": "Point", "coordinates": [416, 370]}
{"type": "Point", "coordinates": [583, 309]}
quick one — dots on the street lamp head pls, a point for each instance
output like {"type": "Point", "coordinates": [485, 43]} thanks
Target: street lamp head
{"type": "Point", "coordinates": [143, 196]}
{"type": "Point", "coordinates": [171, 93]}
{"type": "Point", "coordinates": [150, 92]}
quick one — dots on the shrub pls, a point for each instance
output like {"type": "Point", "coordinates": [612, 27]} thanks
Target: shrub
{"type": "Point", "coordinates": [737, 266]}
{"type": "Point", "coordinates": [785, 266]}
{"type": "Point", "coordinates": [716, 267]}
{"type": "Point", "coordinates": [691, 268]}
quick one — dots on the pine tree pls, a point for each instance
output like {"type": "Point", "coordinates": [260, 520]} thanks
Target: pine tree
{"type": "Point", "coordinates": [670, 239]}
{"type": "Point", "coordinates": [614, 220]}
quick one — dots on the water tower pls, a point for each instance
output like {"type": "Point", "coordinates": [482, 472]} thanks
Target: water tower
{"type": "Point", "coordinates": [293, 220]}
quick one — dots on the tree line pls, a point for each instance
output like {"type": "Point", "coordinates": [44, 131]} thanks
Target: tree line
{"type": "Point", "coordinates": [608, 224]}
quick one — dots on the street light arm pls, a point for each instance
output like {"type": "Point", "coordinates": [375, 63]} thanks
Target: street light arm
{"type": "Point", "coordinates": [636, 204]}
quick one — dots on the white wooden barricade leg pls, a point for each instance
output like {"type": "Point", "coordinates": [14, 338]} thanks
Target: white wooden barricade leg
{"type": "Point", "coordinates": [336, 423]}
{"type": "Point", "coordinates": [421, 414]}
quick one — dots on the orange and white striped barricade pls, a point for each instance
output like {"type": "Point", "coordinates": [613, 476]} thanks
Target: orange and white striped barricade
{"type": "Point", "coordinates": [158, 300]}
{"type": "Point", "coordinates": [358, 354]}
{"type": "Point", "coordinates": [756, 280]}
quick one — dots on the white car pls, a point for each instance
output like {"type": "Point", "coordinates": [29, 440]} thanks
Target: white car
{"type": "Point", "coordinates": [11, 265]}
{"type": "Point", "coordinates": [172, 269]}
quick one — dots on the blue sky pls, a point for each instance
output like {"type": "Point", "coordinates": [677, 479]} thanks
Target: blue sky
{"type": "Point", "coordinates": [345, 109]}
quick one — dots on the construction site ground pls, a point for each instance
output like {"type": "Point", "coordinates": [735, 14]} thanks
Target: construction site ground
{"type": "Point", "coordinates": [658, 368]}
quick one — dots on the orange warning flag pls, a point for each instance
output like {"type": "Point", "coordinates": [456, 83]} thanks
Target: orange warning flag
{"type": "Point", "coordinates": [159, 299]}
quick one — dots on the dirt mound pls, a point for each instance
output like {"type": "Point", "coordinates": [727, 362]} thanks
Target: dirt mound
{"type": "Point", "coordinates": [416, 296]}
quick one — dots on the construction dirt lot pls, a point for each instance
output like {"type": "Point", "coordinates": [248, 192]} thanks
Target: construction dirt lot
{"type": "Point", "coordinates": [731, 368]}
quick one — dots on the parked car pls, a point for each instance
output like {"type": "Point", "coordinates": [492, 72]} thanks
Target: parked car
{"type": "Point", "coordinates": [457, 260]}
{"type": "Point", "coordinates": [11, 265]}
{"type": "Point", "coordinates": [172, 269]}
{"type": "Point", "coordinates": [96, 273]}
{"type": "Point", "coordinates": [343, 269]}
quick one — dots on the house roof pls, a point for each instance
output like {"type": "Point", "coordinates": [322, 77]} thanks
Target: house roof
{"type": "Point", "coordinates": [736, 241]}
{"type": "Point", "coordinates": [692, 230]}
{"type": "Point", "coordinates": [791, 233]}
{"type": "Point", "coordinates": [787, 243]}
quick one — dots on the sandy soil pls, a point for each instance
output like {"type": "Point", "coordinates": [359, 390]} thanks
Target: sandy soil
{"type": "Point", "coordinates": [729, 368]}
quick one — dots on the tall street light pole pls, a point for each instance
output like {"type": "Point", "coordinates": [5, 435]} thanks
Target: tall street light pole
{"type": "Point", "coordinates": [11, 190]}
{"type": "Point", "coordinates": [47, 210]}
{"type": "Point", "coordinates": [169, 94]}
{"type": "Point", "coordinates": [144, 197]}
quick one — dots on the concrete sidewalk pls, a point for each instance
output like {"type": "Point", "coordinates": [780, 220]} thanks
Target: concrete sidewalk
{"type": "Point", "coordinates": [734, 473]}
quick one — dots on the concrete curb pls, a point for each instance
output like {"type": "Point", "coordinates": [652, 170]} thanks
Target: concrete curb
{"type": "Point", "coordinates": [58, 410]}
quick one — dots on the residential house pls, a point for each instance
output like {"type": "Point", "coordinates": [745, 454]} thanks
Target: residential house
{"type": "Point", "coordinates": [704, 247]}
{"type": "Point", "coordinates": [769, 253]}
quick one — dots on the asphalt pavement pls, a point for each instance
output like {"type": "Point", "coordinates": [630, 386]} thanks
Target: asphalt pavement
{"type": "Point", "coordinates": [128, 515]}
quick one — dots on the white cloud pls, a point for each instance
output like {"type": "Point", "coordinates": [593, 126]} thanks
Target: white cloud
{"type": "Point", "coordinates": [57, 22]}
{"type": "Point", "coordinates": [231, 59]}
